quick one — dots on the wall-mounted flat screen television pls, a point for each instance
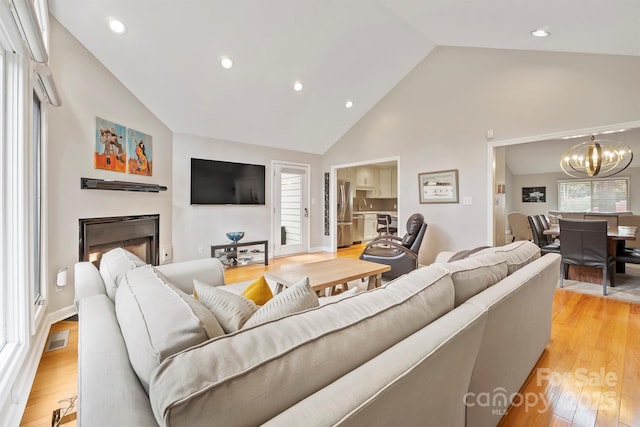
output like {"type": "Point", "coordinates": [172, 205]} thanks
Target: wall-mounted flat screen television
{"type": "Point", "coordinates": [215, 182]}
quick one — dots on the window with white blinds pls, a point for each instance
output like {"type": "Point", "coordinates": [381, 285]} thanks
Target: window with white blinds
{"type": "Point", "coordinates": [595, 195]}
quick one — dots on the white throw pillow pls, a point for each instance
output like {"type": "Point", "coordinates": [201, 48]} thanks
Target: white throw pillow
{"type": "Point", "coordinates": [231, 310]}
{"type": "Point", "coordinates": [297, 297]}
{"type": "Point", "coordinates": [114, 264]}
{"type": "Point", "coordinates": [338, 297]}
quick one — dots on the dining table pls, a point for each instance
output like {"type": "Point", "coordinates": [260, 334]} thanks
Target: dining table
{"type": "Point", "coordinates": [616, 237]}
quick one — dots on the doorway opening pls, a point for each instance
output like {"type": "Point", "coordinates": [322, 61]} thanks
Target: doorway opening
{"type": "Point", "coordinates": [358, 192]}
{"type": "Point", "coordinates": [510, 170]}
{"type": "Point", "coordinates": [290, 208]}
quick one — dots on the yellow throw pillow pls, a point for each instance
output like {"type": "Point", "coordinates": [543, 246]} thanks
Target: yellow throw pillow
{"type": "Point", "coordinates": [258, 291]}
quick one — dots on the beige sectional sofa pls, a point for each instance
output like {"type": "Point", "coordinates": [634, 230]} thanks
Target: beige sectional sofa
{"type": "Point", "coordinates": [416, 351]}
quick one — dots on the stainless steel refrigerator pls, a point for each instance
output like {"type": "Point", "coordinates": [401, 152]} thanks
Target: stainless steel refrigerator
{"type": "Point", "coordinates": [345, 213]}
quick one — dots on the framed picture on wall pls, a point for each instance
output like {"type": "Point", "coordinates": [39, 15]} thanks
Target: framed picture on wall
{"type": "Point", "coordinates": [140, 153]}
{"type": "Point", "coordinates": [438, 187]}
{"type": "Point", "coordinates": [534, 194]}
{"type": "Point", "coordinates": [110, 147]}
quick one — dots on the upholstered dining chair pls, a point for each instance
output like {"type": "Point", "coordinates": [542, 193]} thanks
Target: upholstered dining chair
{"type": "Point", "coordinates": [400, 253]}
{"type": "Point", "coordinates": [633, 221]}
{"type": "Point", "coordinates": [584, 243]}
{"type": "Point", "coordinates": [519, 226]}
{"type": "Point", "coordinates": [630, 252]}
{"type": "Point", "coordinates": [539, 238]}
{"type": "Point", "coordinates": [543, 221]}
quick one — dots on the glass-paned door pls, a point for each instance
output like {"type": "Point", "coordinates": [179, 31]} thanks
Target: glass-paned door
{"type": "Point", "coordinates": [290, 208]}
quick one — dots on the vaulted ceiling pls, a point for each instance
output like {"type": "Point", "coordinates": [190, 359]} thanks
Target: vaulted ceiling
{"type": "Point", "coordinates": [340, 50]}
{"type": "Point", "coordinates": [548, 153]}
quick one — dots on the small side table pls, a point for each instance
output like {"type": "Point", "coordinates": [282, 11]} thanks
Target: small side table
{"type": "Point", "coordinates": [229, 253]}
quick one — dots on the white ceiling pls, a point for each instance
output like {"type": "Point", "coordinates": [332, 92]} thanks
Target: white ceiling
{"type": "Point", "coordinates": [340, 50]}
{"type": "Point", "coordinates": [546, 154]}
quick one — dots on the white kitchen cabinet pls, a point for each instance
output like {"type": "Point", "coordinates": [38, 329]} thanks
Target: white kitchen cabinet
{"type": "Point", "coordinates": [365, 178]}
{"type": "Point", "coordinates": [343, 173]}
{"type": "Point", "coordinates": [346, 174]}
{"type": "Point", "coordinates": [370, 227]}
{"type": "Point", "coordinates": [394, 182]}
{"type": "Point", "coordinates": [385, 186]}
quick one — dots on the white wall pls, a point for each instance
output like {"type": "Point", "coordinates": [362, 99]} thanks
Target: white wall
{"type": "Point", "coordinates": [88, 90]}
{"type": "Point", "coordinates": [197, 227]}
{"type": "Point", "coordinates": [550, 180]}
{"type": "Point", "coordinates": [436, 118]}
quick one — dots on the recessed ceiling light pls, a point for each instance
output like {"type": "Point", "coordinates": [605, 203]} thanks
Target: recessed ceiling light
{"type": "Point", "coordinates": [540, 32]}
{"type": "Point", "coordinates": [348, 104]}
{"type": "Point", "coordinates": [297, 86]}
{"type": "Point", "coordinates": [117, 26]}
{"type": "Point", "coordinates": [226, 62]}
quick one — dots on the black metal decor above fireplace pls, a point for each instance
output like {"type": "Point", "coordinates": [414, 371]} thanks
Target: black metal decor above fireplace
{"type": "Point", "coordinates": [138, 234]}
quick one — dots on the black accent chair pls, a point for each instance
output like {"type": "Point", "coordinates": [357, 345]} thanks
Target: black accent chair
{"type": "Point", "coordinates": [400, 253]}
{"type": "Point", "coordinates": [384, 224]}
{"type": "Point", "coordinates": [584, 243]}
{"type": "Point", "coordinates": [544, 242]}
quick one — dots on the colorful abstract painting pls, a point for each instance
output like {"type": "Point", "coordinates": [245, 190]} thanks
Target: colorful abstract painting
{"type": "Point", "coordinates": [140, 153]}
{"type": "Point", "coordinates": [110, 149]}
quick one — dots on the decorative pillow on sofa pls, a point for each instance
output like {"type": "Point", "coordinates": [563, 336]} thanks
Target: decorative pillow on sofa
{"type": "Point", "coordinates": [258, 291]}
{"type": "Point", "coordinates": [516, 254]}
{"type": "Point", "coordinates": [113, 266]}
{"type": "Point", "coordinates": [231, 310]}
{"type": "Point", "coordinates": [466, 253]}
{"type": "Point", "coordinates": [297, 297]}
{"type": "Point", "coordinates": [304, 346]}
{"type": "Point", "coordinates": [475, 274]}
{"type": "Point", "coordinates": [158, 320]}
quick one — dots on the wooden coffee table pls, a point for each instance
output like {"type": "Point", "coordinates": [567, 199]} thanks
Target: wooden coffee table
{"type": "Point", "coordinates": [328, 273]}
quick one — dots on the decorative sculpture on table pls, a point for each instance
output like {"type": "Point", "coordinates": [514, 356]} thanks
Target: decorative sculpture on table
{"type": "Point", "coordinates": [232, 253]}
{"type": "Point", "coordinates": [235, 236]}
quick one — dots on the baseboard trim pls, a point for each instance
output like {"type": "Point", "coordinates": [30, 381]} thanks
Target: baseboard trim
{"type": "Point", "coordinates": [26, 376]}
{"type": "Point", "coordinates": [61, 314]}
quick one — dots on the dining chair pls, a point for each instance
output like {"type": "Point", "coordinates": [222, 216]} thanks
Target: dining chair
{"type": "Point", "coordinates": [540, 239]}
{"type": "Point", "coordinates": [519, 226]}
{"type": "Point", "coordinates": [630, 251]}
{"type": "Point", "coordinates": [543, 221]}
{"type": "Point", "coordinates": [384, 224]}
{"type": "Point", "coordinates": [633, 221]}
{"type": "Point", "coordinates": [584, 243]}
{"type": "Point", "coordinates": [612, 220]}
{"type": "Point", "coordinates": [544, 224]}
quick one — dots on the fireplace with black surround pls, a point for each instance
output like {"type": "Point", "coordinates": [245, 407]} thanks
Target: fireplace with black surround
{"type": "Point", "coordinates": [137, 234]}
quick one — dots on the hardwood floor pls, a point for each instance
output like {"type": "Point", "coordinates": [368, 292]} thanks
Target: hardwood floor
{"type": "Point", "coordinates": [56, 379]}
{"type": "Point", "coordinates": [588, 375]}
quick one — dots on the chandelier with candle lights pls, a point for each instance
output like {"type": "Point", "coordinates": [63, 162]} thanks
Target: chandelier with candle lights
{"type": "Point", "coordinates": [596, 158]}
